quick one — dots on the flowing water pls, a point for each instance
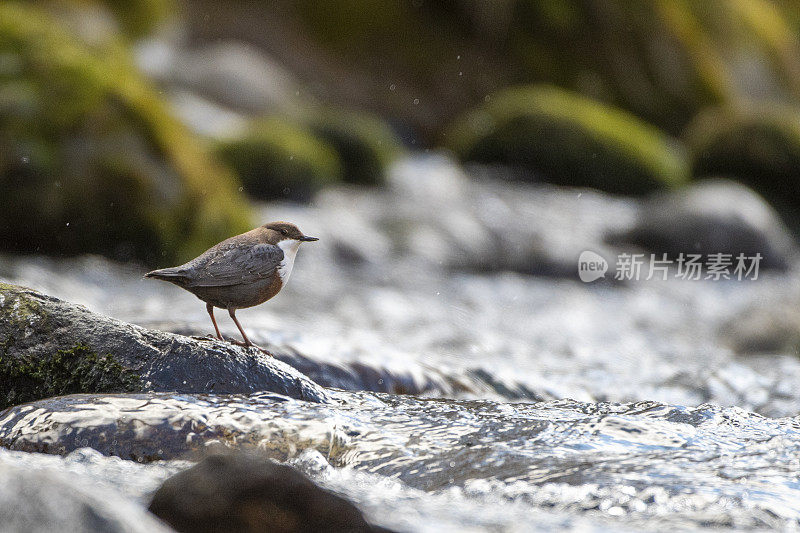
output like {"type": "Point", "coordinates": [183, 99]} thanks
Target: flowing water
{"type": "Point", "coordinates": [542, 402]}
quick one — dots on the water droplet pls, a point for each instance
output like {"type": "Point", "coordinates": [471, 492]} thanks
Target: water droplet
{"type": "Point", "coordinates": [392, 87]}
{"type": "Point", "coordinates": [458, 57]}
{"type": "Point", "coordinates": [291, 158]}
{"type": "Point", "coordinates": [486, 98]}
{"type": "Point", "coordinates": [416, 101]}
{"type": "Point", "coordinates": [460, 73]}
{"type": "Point", "coordinates": [26, 160]}
{"type": "Point", "coordinates": [67, 224]}
{"type": "Point", "coordinates": [241, 189]}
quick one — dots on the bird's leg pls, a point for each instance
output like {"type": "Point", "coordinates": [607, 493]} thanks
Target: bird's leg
{"type": "Point", "coordinates": [247, 342]}
{"type": "Point", "coordinates": [210, 309]}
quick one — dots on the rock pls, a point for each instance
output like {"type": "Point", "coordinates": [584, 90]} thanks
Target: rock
{"type": "Point", "coordinates": [236, 75]}
{"type": "Point", "coordinates": [566, 139]}
{"type": "Point", "coordinates": [91, 159]}
{"type": "Point", "coordinates": [277, 158]}
{"type": "Point", "coordinates": [50, 500]}
{"type": "Point", "coordinates": [245, 493]}
{"type": "Point", "coordinates": [760, 148]}
{"type": "Point", "coordinates": [51, 347]}
{"type": "Point", "coordinates": [365, 144]}
{"type": "Point", "coordinates": [713, 216]}
{"type": "Point", "coordinates": [770, 328]}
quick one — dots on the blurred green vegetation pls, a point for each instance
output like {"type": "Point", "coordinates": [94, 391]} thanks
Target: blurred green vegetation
{"type": "Point", "coordinates": [91, 159]}
{"type": "Point", "coordinates": [609, 94]}
{"type": "Point", "coordinates": [561, 137]}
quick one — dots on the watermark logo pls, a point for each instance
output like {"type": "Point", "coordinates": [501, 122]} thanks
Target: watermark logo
{"type": "Point", "coordinates": [694, 267]}
{"type": "Point", "coordinates": [591, 266]}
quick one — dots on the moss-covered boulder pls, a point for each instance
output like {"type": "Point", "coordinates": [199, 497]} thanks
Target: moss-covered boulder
{"type": "Point", "coordinates": [91, 159]}
{"type": "Point", "coordinates": [563, 138]}
{"type": "Point", "coordinates": [49, 347]}
{"type": "Point", "coordinates": [758, 147]}
{"type": "Point", "coordinates": [277, 158]}
{"type": "Point", "coordinates": [365, 144]}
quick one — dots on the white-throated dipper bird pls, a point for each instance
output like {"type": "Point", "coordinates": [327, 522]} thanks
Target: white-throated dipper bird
{"type": "Point", "coordinates": [243, 271]}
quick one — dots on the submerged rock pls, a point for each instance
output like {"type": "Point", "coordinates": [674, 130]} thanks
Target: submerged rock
{"type": "Point", "coordinates": [710, 217]}
{"type": "Point", "coordinates": [242, 493]}
{"type": "Point", "coordinates": [51, 347]}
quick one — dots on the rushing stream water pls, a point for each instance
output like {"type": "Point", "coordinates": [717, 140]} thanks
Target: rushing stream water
{"type": "Point", "coordinates": [431, 289]}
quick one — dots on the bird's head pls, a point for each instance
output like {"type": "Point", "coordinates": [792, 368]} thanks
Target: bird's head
{"type": "Point", "coordinates": [285, 230]}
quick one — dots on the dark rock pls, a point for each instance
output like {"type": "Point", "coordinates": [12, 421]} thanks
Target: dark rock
{"type": "Point", "coordinates": [713, 216]}
{"type": "Point", "coordinates": [242, 493]}
{"type": "Point", "coordinates": [50, 347]}
{"type": "Point", "coordinates": [759, 147]}
{"type": "Point", "coordinates": [276, 158]}
{"type": "Point", "coordinates": [48, 500]}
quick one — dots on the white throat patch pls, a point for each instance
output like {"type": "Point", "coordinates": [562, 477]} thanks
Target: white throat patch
{"type": "Point", "coordinates": [289, 247]}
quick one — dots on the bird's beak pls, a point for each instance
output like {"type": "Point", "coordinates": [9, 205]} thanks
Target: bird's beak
{"type": "Point", "coordinates": [306, 238]}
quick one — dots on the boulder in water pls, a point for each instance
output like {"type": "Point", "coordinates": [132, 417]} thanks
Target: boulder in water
{"type": "Point", "coordinates": [51, 347]}
{"type": "Point", "coordinates": [246, 493]}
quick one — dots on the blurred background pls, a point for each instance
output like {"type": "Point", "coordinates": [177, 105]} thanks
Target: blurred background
{"type": "Point", "coordinates": [142, 130]}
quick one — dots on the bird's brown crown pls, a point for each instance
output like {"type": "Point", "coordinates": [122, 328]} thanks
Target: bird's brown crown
{"type": "Point", "coordinates": [285, 229]}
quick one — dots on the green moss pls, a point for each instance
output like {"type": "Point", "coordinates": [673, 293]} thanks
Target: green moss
{"type": "Point", "coordinates": [77, 370]}
{"type": "Point", "coordinates": [365, 144]}
{"type": "Point", "coordinates": [140, 17]}
{"type": "Point", "coordinates": [91, 160]}
{"type": "Point", "coordinates": [279, 159]}
{"type": "Point", "coordinates": [563, 138]}
{"type": "Point", "coordinates": [760, 147]}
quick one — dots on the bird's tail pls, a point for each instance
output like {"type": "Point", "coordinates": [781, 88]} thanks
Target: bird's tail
{"type": "Point", "coordinates": [171, 274]}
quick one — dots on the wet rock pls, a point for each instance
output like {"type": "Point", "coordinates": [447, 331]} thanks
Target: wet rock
{"type": "Point", "coordinates": [52, 347]}
{"type": "Point", "coordinates": [51, 500]}
{"type": "Point", "coordinates": [771, 328]}
{"type": "Point", "coordinates": [713, 216]}
{"type": "Point", "coordinates": [242, 493]}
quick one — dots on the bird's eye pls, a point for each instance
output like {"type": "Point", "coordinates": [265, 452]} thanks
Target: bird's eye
{"type": "Point", "coordinates": [284, 232]}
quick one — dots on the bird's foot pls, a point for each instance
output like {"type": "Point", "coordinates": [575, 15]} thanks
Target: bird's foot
{"type": "Point", "coordinates": [208, 337]}
{"type": "Point", "coordinates": [248, 345]}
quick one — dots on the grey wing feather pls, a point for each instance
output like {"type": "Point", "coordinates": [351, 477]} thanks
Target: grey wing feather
{"type": "Point", "coordinates": [232, 264]}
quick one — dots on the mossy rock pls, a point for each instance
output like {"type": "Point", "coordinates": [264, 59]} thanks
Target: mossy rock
{"type": "Point", "coordinates": [72, 371]}
{"type": "Point", "coordinates": [758, 147]}
{"type": "Point", "coordinates": [49, 347]}
{"type": "Point", "coordinates": [278, 159]}
{"type": "Point", "coordinates": [91, 160]}
{"type": "Point", "coordinates": [365, 144]}
{"type": "Point", "coordinates": [563, 138]}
